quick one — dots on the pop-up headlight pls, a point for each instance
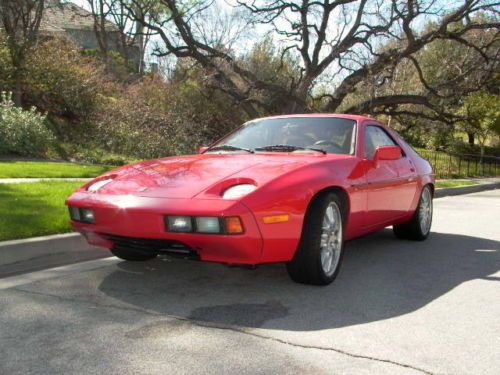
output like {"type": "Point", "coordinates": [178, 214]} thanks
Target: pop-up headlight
{"type": "Point", "coordinates": [99, 184]}
{"type": "Point", "coordinates": [238, 191]}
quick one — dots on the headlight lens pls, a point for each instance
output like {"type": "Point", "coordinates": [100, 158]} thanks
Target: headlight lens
{"type": "Point", "coordinates": [238, 191]}
{"type": "Point", "coordinates": [207, 225]}
{"type": "Point", "coordinates": [179, 224]}
{"type": "Point", "coordinates": [84, 215]}
{"type": "Point", "coordinates": [87, 215]}
{"type": "Point", "coordinates": [204, 224]}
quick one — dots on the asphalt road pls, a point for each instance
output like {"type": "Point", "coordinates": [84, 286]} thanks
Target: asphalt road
{"type": "Point", "coordinates": [398, 307]}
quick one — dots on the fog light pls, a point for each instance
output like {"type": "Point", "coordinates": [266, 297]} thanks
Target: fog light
{"type": "Point", "coordinates": [84, 215]}
{"type": "Point", "coordinates": [233, 225]}
{"type": "Point", "coordinates": [87, 215]}
{"type": "Point", "coordinates": [207, 225]}
{"type": "Point", "coordinates": [74, 213]}
{"type": "Point", "coordinates": [179, 224]}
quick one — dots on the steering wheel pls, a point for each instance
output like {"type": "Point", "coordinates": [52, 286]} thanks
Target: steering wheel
{"type": "Point", "coordinates": [336, 148]}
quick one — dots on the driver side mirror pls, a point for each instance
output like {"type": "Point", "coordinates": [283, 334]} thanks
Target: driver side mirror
{"type": "Point", "coordinates": [202, 149]}
{"type": "Point", "coordinates": [387, 153]}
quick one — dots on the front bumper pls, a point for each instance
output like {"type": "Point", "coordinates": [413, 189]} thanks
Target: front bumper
{"type": "Point", "coordinates": [138, 217]}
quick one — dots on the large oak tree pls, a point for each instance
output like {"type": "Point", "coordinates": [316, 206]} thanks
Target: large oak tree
{"type": "Point", "coordinates": [340, 45]}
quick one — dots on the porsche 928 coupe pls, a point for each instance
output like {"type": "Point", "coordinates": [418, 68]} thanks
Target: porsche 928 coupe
{"type": "Point", "coordinates": [289, 189]}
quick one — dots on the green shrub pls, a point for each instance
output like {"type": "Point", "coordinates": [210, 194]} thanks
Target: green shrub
{"type": "Point", "coordinates": [22, 132]}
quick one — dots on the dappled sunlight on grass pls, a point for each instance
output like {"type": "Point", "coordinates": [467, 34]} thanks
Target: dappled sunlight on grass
{"type": "Point", "coordinates": [28, 169]}
{"type": "Point", "coordinates": [34, 209]}
{"type": "Point", "coordinates": [454, 183]}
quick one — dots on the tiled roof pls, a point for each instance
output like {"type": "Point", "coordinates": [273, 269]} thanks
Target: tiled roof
{"type": "Point", "coordinates": [59, 16]}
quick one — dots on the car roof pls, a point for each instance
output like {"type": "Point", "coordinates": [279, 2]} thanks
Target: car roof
{"type": "Point", "coordinates": [337, 115]}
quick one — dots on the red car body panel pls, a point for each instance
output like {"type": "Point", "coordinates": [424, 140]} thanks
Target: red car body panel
{"type": "Point", "coordinates": [379, 193]}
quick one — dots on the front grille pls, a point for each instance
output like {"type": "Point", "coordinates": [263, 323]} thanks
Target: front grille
{"type": "Point", "coordinates": [170, 247]}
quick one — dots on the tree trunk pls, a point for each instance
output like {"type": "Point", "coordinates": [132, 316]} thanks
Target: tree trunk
{"type": "Point", "coordinates": [471, 138]}
{"type": "Point", "coordinates": [250, 110]}
{"type": "Point", "coordinates": [298, 100]}
{"type": "Point", "coordinates": [17, 95]}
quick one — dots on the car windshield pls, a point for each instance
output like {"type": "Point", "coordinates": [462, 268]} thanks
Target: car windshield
{"type": "Point", "coordinates": [291, 134]}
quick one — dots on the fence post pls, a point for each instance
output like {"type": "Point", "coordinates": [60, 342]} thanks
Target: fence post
{"type": "Point", "coordinates": [459, 165]}
{"type": "Point", "coordinates": [449, 167]}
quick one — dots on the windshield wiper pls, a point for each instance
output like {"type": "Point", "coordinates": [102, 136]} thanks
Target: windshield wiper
{"type": "Point", "coordinates": [229, 148]}
{"type": "Point", "coordinates": [287, 148]}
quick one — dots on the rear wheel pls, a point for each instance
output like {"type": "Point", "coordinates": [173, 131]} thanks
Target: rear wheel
{"type": "Point", "coordinates": [318, 258]}
{"type": "Point", "coordinates": [419, 227]}
{"type": "Point", "coordinates": [133, 255]}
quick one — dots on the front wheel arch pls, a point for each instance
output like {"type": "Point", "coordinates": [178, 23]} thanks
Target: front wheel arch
{"type": "Point", "coordinates": [332, 189]}
{"type": "Point", "coordinates": [321, 239]}
{"type": "Point", "coordinates": [345, 208]}
{"type": "Point", "coordinates": [433, 188]}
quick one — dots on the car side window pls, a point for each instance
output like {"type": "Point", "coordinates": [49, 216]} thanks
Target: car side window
{"type": "Point", "coordinates": [375, 137]}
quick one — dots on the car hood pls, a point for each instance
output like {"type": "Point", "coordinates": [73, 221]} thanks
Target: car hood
{"type": "Point", "coordinates": [188, 176]}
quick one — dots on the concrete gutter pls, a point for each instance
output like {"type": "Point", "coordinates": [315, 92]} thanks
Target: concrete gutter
{"type": "Point", "coordinates": [482, 185]}
{"type": "Point", "coordinates": [18, 255]}
{"type": "Point", "coordinates": [55, 248]}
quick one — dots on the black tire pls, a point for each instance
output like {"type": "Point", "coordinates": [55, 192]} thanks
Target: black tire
{"type": "Point", "coordinates": [413, 230]}
{"type": "Point", "coordinates": [401, 231]}
{"type": "Point", "coordinates": [133, 255]}
{"type": "Point", "coordinates": [306, 266]}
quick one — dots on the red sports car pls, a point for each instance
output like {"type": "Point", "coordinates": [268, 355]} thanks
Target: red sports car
{"type": "Point", "coordinates": [287, 189]}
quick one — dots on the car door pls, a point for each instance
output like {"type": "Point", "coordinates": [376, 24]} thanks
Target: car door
{"type": "Point", "coordinates": [389, 192]}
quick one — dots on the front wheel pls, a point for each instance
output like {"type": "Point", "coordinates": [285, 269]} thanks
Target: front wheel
{"type": "Point", "coordinates": [419, 227]}
{"type": "Point", "coordinates": [318, 258]}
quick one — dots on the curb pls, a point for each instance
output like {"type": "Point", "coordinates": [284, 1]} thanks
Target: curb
{"type": "Point", "coordinates": [31, 249]}
{"type": "Point", "coordinates": [448, 192]}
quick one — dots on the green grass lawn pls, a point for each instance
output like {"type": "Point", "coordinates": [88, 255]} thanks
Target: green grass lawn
{"type": "Point", "coordinates": [454, 183]}
{"type": "Point", "coordinates": [34, 209]}
{"type": "Point", "coordinates": [28, 169]}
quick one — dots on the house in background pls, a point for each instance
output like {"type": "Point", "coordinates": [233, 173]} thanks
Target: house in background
{"type": "Point", "coordinates": [77, 24]}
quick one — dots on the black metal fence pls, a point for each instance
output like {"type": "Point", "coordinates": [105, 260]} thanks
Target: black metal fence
{"type": "Point", "coordinates": [461, 165]}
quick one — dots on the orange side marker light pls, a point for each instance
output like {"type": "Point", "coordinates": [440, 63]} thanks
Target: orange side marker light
{"type": "Point", "coordinates": [276, 219]}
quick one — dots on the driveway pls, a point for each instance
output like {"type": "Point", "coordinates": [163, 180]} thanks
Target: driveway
{"type": "Point", "coordinates": [398, 307]}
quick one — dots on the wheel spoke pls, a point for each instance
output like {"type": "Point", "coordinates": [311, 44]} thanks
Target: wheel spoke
{"type": "Point", "coordinates": [425, 211]}
{"type": "Point", "coordinates": [331, 239]}
{"type": "Point", "coordinates": [329, 215]}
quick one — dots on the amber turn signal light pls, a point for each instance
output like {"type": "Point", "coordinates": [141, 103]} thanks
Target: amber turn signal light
{"type": "Point", "coordinates": [233, 225]}
{"type": "Point", "coordinates": [275, 219]}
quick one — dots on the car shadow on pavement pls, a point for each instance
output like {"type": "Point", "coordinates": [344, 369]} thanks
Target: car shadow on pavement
{"type": "Point", "coordinates": [381, 278]}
